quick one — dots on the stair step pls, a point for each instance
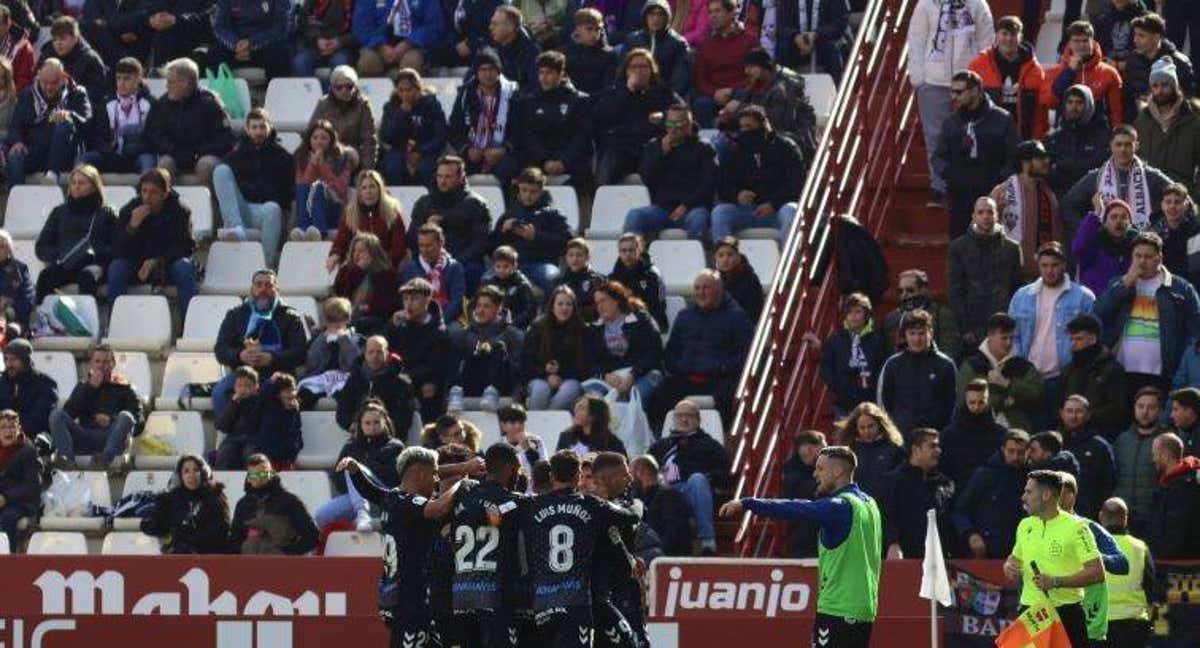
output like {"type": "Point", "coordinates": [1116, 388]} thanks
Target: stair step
{"type": "Point", "coordinates": [915, 240]}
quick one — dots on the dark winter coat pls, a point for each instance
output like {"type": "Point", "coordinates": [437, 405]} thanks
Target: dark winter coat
{"type": "Point", "coordinates": [110, 398]}
{"type": "Point", "coordinates": [16, 285]}
{"type": "Point", "coordinates": [454, 283]}
{"type": "Point", "coordinates": [646, 282]}
{"type": "Point", "coordinates": [799, 483]}
{"type": "Point", "coordinates": [263, 23]}
{"type": "Point", "coordinates": [1020, 402]}
{"type": "Point", "coordinates": [105, 140]}
{"type": "Point", "coordinates": [671, 51]}
{"type": "Point", "coordinates": [388, 383]}
{"type": "Point", "coordinates": [787, 106]}
{"type": "Point", "coordinates": [166, 236]}
{"type": "Point", "coordinates": [875, 460]}
{"type": "Point", "coordinates": [385, 286]}
{"type": "Point", "coordinates": [1114, 32]}
{"type": "Point", "coordinates": [743, 285]}
{"type": "Point", "coordinates": [1176, 151]}
{"type": "Point", "coordinates": [279, 436]}
{"type": "Point", "coordinates": [772, 167]}
{"type": "Point", "coordinates": [473, 28]}
{"type": "Point", "coordinates": [686, 175]}
{"type": "Point", "coordinates": [709, 343]}
{"type": "Point", "coordinates": [1075, 148]}
{"type": "Point", "coordinates": [1137, 477]}
{"type": "Point", "coordinates": [693, 453]}
{"type": "Point", "coordinates": [551, 231]}
{"type": "Point", "coordinates": [231, 337]}
{"type": "Point", "coordinates": [984, 272]}
{"type": "Point", "coordinates": [850, 386]}
{"type": "Point", "coordinates": [519, 300]}
{"type": "Point", "coordinates": [466, 221]}
{"type": "Point", "coordinates": [1174, 529]}
{"type": "Point", "coordinates": [518, 59]}
{"type": "Point", "coordinates": [1137, 74]}
{"type": "Point", "coordinates": [555, 124]}
{"type": "Point", "coordinates": [968, 442]}
{"type": "Point", "coordinates": [1178, 317]}
{"type": "Point", "coordinates": [504, 339]}
{"type": "Point", "coordinates": [918, 389]}
{"type": "Point", "coordinates": [265, 173]}
{"type": "Point", "coordinates": [32, 394]}
{"type": "Point", "coordinates": [20, 479]}
{"type": "Point", "coordinates": [192, 522]}
{"type": "Point", "coordinates": [945, 327]}
{"type": "Point", "coordinates": [24, 118]}
{"type": "Point", "coordinates": [582, 283]}
{"type": "Point", "coordinates": [861, 266]}
{"type": "Point", "coordinates": [329, 19]}
{"type": "Point", "coordinates": [424, 347]}
{"type": "Point", "coordinates": [645, 350]}
{"type": "Point", "coordinates": [1097, 469]}
{"type": "Point", "coordinates": [377, 454]}
{"type": "Point", "coordinates": [574, 436]}
{"type": "Point", "coordinates": [996, 149]}
{"type": "Point", "coordinates": [424, 126]}
{"type": "Point", "coordinates": [574, 362]}
{"type": "Point", "coordinates": [908, 492]}
{"type": "Point", "coordinates": [1175, 243]}
{"type": "Point", "coordinates": [85, 67]}
{"type": "Point", "coordinates": [1095, 374]}
{"type": "Point", "coordinates": [278, 517]}
{"type": "Point", "coordinates": [591, 69]}
{"type": "Point", "coordinates": [188, 128]}
{"type": "Point", "coordinates": [621, 119]}
{"type": "Point", "coordinates": [990, 505]}
{"type": "Point", "coordinates": [668, 513]}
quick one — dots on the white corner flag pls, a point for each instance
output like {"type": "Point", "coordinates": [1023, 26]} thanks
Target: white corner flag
{"type": "Point", "coordinates": [935, 580]}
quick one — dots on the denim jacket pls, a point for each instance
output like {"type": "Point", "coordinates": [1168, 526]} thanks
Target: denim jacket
{"type": "Point", "coordinates": [1076, 300]}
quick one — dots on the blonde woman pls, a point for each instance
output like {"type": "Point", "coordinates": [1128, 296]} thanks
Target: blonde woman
{"type": "Point", "coordinates": [371, 209]}
{"type": "Point", "coordinates": [8, 93]}
{"type": "Point", "coordinates": [877, 442]}
{"type": "Point", "coordinates": [76, 241]}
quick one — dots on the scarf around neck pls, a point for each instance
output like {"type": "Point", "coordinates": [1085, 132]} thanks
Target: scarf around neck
{"type": "Point", "coordinates": [492, 120]}
{"type": "Point", "coordinates": [42, 105]}
{"type": "Point", "coordinates": [1165, 116]}
{"type": "Point", "coordinates": [400, 18]}
{"type": "Point", "coordinates": [1137, 191]}
{"type": "Point", "coordinates": [433, 273]}
{"type": "Point", "coordinates": [261, 326]}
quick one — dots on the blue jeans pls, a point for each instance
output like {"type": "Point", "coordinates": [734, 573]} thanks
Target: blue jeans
{"type": "Point", "coordinates": [652, 219]}
{"type": "Point", "coordinates": [71, 437]}
{"type": "Point", "coordinates": [541, 273]}
{"type": "Point", "coordinates": [237, 212]}
{"type": "Point", "coordinates": [729, 218]}
{"type": "Point", "coordinates": [341, 507]}
{"type": "Point", "coordinates": [544, 397]}
{"type": "Point", "coordinates": [49, 148]}
{"type": "Point", "coordinates": [395, 169]}
{"type": "Point", "coordinates": [113, 162]}
{"type": "Point", "coordinates": [645, 386]}
{"type": "Point", "coordinates": [181, 274]}
{"type": "Point", "coordinates": [306, 61]}
{"type": "Point", "coordinates": [324, 213]}
{"type": "Point", "coordinates": [699, 495]}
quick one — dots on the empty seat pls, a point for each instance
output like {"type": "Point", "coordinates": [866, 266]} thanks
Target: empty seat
{"type": "Point", "coordinates": [199, 200]}
{"type": "Point", "coordinates": [57, 543]}
{"type": "Point", "coordinates": [4, 548]}
{"type": "Point", "coordinates": [28, 208]}
{"type": "Point", "coordinates": [675, 303]}
{"type": "Point", "coordinates": [567, 202]}
{"type": "Point", "coordinates": [680, 262]}
{"type": "Point", "coordinates": [235, 485]}
{"type": "Point", "coordinates": [140, 323]}
{"type": "Point", "coordinates": [306, 305]}
{"type": "Point", "coordinates": [408, 195]}
{"type": "Point", "coordinates": [603, 254]}
{"type": "Point", "coordinates": [493, 196]}
{"type": "Point", "coordinates": [446, 96]}
{"type": "Point", "coordinates": [764, 256]}
{"type": "Point", "coordinates": [323, 440]}
{"type": "Point", "coordinates": [710, 422]}
{"type": "Point", "coordinates": [60, 366]}
{"type": "Point", "coordinates": [822, 92]}
{"type": "Point", "coordinates": [130, 543]}
{"type": "Point", "coordinates": [291, 101]}
{"type": "Point", "coordinates": [135, 366]}
{"type": "Point", "coordinates": [311, 486]}
{"type": "Point", "coordinates": [179, 433]}
{"type": "Point", "coordinates": [611, 204]}
{"type": "Point", "coordinates": [184, 369]}
{"type": "Point", "coordinates": [147, 481]}
{"type": "Point", "coordinates": [350, 543]}
{"type": "Point", "coordinates": [23, 250]}
{"type": "Point", "coordinates": [488, 425]}
{"type": "Point", "coordinates": [377, 91]}
{"type": "Point", "coordinates": [204, 316]}
{"type": "Point", "coordinates": [302, 268]}
{"type": "Point", "coordinates": [117, 196]}
{"type": "Point", "coordinates": [290, 141]}
{"type": "Point", "coordinates": [231, 266]}
{"type": "Point", "coordinates": [89, 312]}
{"type": "Point", "coordinates": [100, 496]}
{"type": "Point", "coordinates": [548, 425]}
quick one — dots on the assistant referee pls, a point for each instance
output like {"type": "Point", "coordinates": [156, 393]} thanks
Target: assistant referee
{"type": "Point", "coordinates": [849, 554]}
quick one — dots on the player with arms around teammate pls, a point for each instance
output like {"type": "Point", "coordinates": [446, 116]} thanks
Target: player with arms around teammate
{"type": "Point", "coordinates": [1054, 555]}
{"type": "Point", "coordinates": [1095, 596]}
{"type": "Point", "coordinates": [850, 549]}
{"type": "Point", "coordinates": [616, 565]}
{"type": "Point", "coordinates": [410, 520]}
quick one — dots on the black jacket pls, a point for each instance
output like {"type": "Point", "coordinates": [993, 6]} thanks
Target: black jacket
{"type": "Point", "coordinates": [852, 386]}
{"type": "Point", "coordinates": [265, 173]}
{"type": "Point", "coordinates": [555, 124]}
{"type": "Point", "coordinates": [875, 460]}
{"type": "Point", "coordinates": [1174, 529]}
{"type": "Point", "coordinates": [551, 231]}
{"type": "Point", "coordinates": [193, 522]}
{"type": "Point", "coordinates": [425, 126]}
{"type": "Point", "coordinates": [24, 117]}
{"type": "Point", "coordinates": [984, 271]}
{"type": "Point", "coordinates": [918, 389]}
{"type": "Point", "coordinates": [103, 137]}
{"type": "Point", "coordinates": [990, 505]}
{"type": "Point", "coordinates": [772, 168]}
{"type": "Point", "coordinates": [77, 223]}
{"type": "Point", "coordinates": [646, 282]}
{"type": "Point", "coordinates": [388, 384]}
{"type": "Point", "coordinates": [686, 175]}
{"type": "Point", "coordinates": [831, 24]}
{"type": "Point", "coordinates": [1175, 243]}
{"type": "Point", "coordinates": [466, 222]}
{"type": "Point", "coordinates": [20, 479]}
{"type": "Point", "coordinates": [693, 453]}
{"type": "Point", "coordinates": [84, 66]}
{"type": "Point", "coordinates": [519, 300]}
{"type": "Point", "coordinates": [572, 364]}
{"type": "Point", "coordinates": [1097, 469]}
{"type": "Point", "coordinates": [1114, 32]}
{"type": "Point", "coordinates": [573, 436]}
{"type": "Point", "coordinates": [995, 147]}
{"type": "Point", "coordinates": [622, 119]}
{"type": "Point", "coordinates": [424, 347]}
{"type": "Point", "coordinates": [518, 59]}
{"type": "Point", "coordinates": [581, 283]}
{"type": "Point", "coordinates": [645, 346]}
{"type": "Point", "coordinates": [799, 483]}
{"type": "Point", "coordinates": [32, 394]}
{"type": "Point", "coordinates": [166, 236]}
{"type": "Point", "coordinates": [189, 128]}
{"type": "Point", "coordinates": [909, 492]}
{"type": "Point", "coordinates": [466, 111]}
{"type": "Point", "coordinates": [668, 513]}
{"type": "Point", "coordinates": [968, 442]}
{"type": "Point", "coordinates": [591, 69]}
{"type": "Point", "coordinates": [1075, 148]}
{"type": "Point", "coordinates": [861, 266]}
{"type": "Point", "coordinates": [1095, 374]}
{"type": "Point", "coordinates": [294, 336]}
{"type": "Point", "coordinates": [744, 286]}
{"type": "Point", "coordinates": [377, 454]}
{"type": "Point", "coordinates": [671, 51]}
{"type": "Point", "coordinates": [1137, 74]}
{"type": "Point", "coordinates": [284, 524]}
{"type": "Point", "coordinates": [110, 398]}
{"type": "Point", "coordinates": [241, 420]}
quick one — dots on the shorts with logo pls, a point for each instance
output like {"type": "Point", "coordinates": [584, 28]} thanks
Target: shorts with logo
{"type": "Point", "coordinates": [565, 627]}
{"type": "Point", "coordinates": [612, 630]}
{"type": "Point", "coordinates": [412, 627]}
{"type": "Point", "coordinates": [838, 632]}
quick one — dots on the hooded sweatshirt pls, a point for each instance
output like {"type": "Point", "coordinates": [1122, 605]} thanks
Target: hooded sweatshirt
{"type": "Point", "coordinates": [1077, 145]}
{"type": "Point", "coordinates": [669, 48]}
{"type": "Point", "coordinates": [944, 36]}
{"type": "Point", "coordinates": [1103, 79]}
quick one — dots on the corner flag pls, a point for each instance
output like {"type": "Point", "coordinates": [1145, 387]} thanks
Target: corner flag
{"type": "Point", "coordinates": [935, 580]}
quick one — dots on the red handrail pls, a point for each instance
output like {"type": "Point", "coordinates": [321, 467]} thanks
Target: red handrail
{"type": "Point", "coordinates": [855, 170]}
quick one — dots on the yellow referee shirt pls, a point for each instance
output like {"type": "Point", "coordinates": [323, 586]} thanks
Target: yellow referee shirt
{"type": "Point", "coordinates": [1061, 547]}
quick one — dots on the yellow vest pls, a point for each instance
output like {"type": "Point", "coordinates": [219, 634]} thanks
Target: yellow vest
{"type": "Point", "coordinates": [1126, 598]}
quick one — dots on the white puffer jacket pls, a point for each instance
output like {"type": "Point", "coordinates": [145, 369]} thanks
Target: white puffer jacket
{"type": "Point", "coordinates": [944, 36]}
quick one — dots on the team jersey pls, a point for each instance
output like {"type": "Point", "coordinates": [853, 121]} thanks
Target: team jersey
{"type": "Point", "coordinates": [441, 571]}
{"type": "Point", "coordinates": [1060, 546]}
{"type": "Point", "coordinates": [615, 568]}
{"type": "Point", "coordinates": [407, 541]}
{"type": "Point", "coordinates": [485, 529]}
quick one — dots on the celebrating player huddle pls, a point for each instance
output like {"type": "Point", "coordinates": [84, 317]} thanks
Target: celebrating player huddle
{"type": "Point", "coordinates": [554, 569]}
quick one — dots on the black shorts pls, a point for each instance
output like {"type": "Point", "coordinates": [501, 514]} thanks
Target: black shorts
{"type": "Point", "coordinates": [1128, 633]}
{"type": "Point", "coordinates": [565, 628]}
{"type": "Point", "coordinates": [487, 629]}
{"type": "Point", "coordinates": [406, 635]}
{"type": "Point", "coordinates": [837, 632]}
{"type": "Point", "coordinates": [612, 629]}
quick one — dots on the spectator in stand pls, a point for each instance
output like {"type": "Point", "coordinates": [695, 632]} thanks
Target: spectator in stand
{"type": "Point", "coordinates": [1017, 392]}
{"type": "Point", "coordinates": [530, 447]}
{"type": "Point", "coordinates": [1188, 374]}
{"type": "Point", "coordinates": [76, 242]}
{"type": "Point", "coordinates": [470, 29]}
{"type": "Point", "coordinates": [1095, 374]}
{"type": "Point", "coordinates": [555, 355]}
{"type": "Point", "coordinates": [591, 61]}
{"type": "Point", "coordinates": [254, 185]}
{"type": "Point", "coordinates": [984, 269]}
{"type": "Point", "coordinates": [347, 108]}
{"type": "Point", "coordinates": [486, 112]}
{"type": "Point", "coordinates": [418, 334]}
{"type": "Point", "coordinates": [31, 393]}
{"type": "Point", "coordinates": [269, 519]}
{"type": "Point", "coordinates": [1185, 418]}
{"type": "Point", "coordinates": [580, 277]}
{"type": "Point", "coordinates": [253, 34]}
{"type": "Point", "coordinates": [805, 28]}
{"type": "Point", "coordinates": [446, 276]}
{"type": "Point", "coordinates": [909, 491]}
{"type": "Point", "coordinates": [636, 270]}
{"type": "Point", "coordinates": [396, 35]}
{"type": "Point", "coordinates": [738, 276]}
{"type": "Point", "coordinates": [324, 171]}
{"type": "Point", "coordinates": [706, 350]}
{"type": "Point", "coordinates": [758, 178]}
{"type": "Point", "coordinates": [1173, 531]}
{"type": "Point", "coordinates": [976, 149]}
{"type": "Point", "coordinates": [1079, 143]}
{"type": "Point", "coordinates": [667, 512]}
{"type": "Point", "coordinates": [1097, 463]}
{"type": "Point", "coordinates": [630, 114]}
{"type": "Point", "coordinates": [591, 429]}
{"type": "Point", "coordinates": [943, 37]}
{"type": "Point", "coordinates": [1154, 335]}
{"type": "Point", "coordinates": [1114, 30]}
{"type": "Point", "coordinates": [1046, 452]}
{"type": "Point", "coordinates": [916, 385]}
{"type": "Point", "coordinates": [1150, 47]}
{"type": "Point", "coordinates": [780, 93]}
{"type": "Point", "coordinates": [973, 435]}
{"type": "Point", "coordinates": [680, 171]}
{"type": "Point", "coordinates": [332, 353]}
{"type": "Point", "coordinates": [371, 284]}
{"type": "Point", "coordinates": [1012, 77]}
{"type": "Point", "coordinates": [179, 29]}
{"type": "Point", "coordinates": [535, 229]}
{"type": "Point", "coordinates": [912, 290]}
{"type": "Point", "coordinates": [519, 302]}
{"type": "Point", "coordinates": [626, 347]}
{"type": "Point", "coordinates": [1176, 223]}
{"type": "Point", "coordinates": [621, 18]}
{"type": "Point", "coordinates": [372, 209]}
{"type": "Point", "coordinates": [17, 48]}
{"type": "Point", "coordinates": [513, 44]}
{"type": "Point", "coordinates": [192, 517]}
{"type": "Point", "coordinates": [187, 126]}
{"type": "Point", "coordinates": [82, 63]}
{"type": "Point", "coordinates": [450, 430]}
{"type": "Point", "coordinates": [1169, 127]}
{"type": "Point", "coordinates": [463, 215]}
{"type": "Point", "coordinates": [486, 354]}
{"type": "Point", "coordinates": [153, 244]}
{"type": "Point", "coordinates": [48, 125]}
{"type": "Point", "coordinates": [118, 140]}
{"type": "Point", "coordinates": [1137, 476]}
{"type": "Point", "coordinates": [326, 39]}
{"type": "Point", "coordinates": [719, 55]}
{"type": "Point", "coordinates": [671, 52]}
{"type": "Point", "coordinates": [263, 333]}
{"type": "Point", "coordinates": [22, 14]}
{"type": "Point", "coordinates": [100, 418]}
{"type": "Point", "coordinates": [377, 377]}
{"type": "Point", "coordinates": [373, 444]}
{"type": "Point", "coordinates": [1026, 203]}
{"type": "Point", "coordinates": [549, 23]}
{"type": "Point", "coordinates": [799, 483]}
{"type": "Point", "coordinates": [1082, 62]}
{"type": "Point", "coordinates": [1103, 249]}
{"type": "Point", "coordinates": [8, 93]}
{"type": "Point", "coordinates": [852, 357]}
{"type": "Point", "coordinates": [413, 129]}
{"type": "Point", "coordinates": [555, 124]}
{"type": "Point", "coordinates": [870, 432]}
{"type": "Point", "coordinates": [693, 462]}
{"type": "Point", "coordinates": [988, 508]}
{"type": "Point", "coordinates": [262, 419]}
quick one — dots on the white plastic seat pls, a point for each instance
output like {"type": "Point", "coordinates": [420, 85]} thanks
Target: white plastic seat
{"type": "Point", "coordinates": [306, 305]}
{"type": "Point", "coordinates": [181, 431]}
{"type": "Point", "coordinates": [603, 254]}
{"type": "Point", "coordinates": [90, 313]}
{"type": "Point", "coordinates": [57, 543]}
{"type": "Point", "coordinates": [231, 266]}
{"type": "Point", "coordinates": [675, 304]}
{"type": "Point", "coordinates": [140, 323]}
{"type": "Point", "coordinates": [610, 206]}
{"type": "Point", "coordinates": [493, 196]}
{"type": "Point", "coordinates": [199, 200]}
{"type": "Point", "coordinates": [23, 250]}
{"type": "Point", "coordinates": [351, 543]}
{"type": "Point", "coordinates": [290, 141]}
{"type": "Point", "coordinates": [323, 440]}
{"type": "Point", "coordinates": [147, 481]}
{"type": "Point", "coordinates": [117, 196]}
{"type": "Point", "coordinates": [235, 485]}
{"type": "Point", "coordinates": [377, 91]}
{"type": "Point", "coordinates": [822, 92]}
{"type": "Point", "coordinates": [28, 208]}
{"type": "Point", "coordinates": [680, 262]}
{"type": "Point", "coordinates": [764, 256]}
{"type": "Point", "coordinates": [302, 268]}
{"type": "Point", "coordinates": [710, 422]}
{"type": "Point", "coordinates": [60, 366]}
{"type": "Point", "coordinates": [291, 101]}
{"type": "Point", "coordinates": [311, 486]}
{"type": "Point", "coordinates": [488, 425]}
{"type": "Point", "coordinates": [408, 195]}
{"type": "Point", "coordinates": [185, 368]}
{"type": "Point", "coordinates": [446, 96]}
{"type": "Point", "coordinates": [135, 367]}
{"type": "Point", "coordinates": [130, 543]}
{"type": "Point", "coordinates": [549, 425]}
{"type": "Point", "coordinates": [98, 485]}
{"type": "Point", "coordinates": [204, 316]}
{"type": "Point", "coordinates": [567, 202]}
{"type": "Point", "coordinates": [4, 548]}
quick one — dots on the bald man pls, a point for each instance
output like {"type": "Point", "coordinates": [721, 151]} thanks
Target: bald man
{"type": "Point", "coordinates": [984, 272]}
{"type": "Point", "coordinates": [1128, 594]}
{"type": "Point", "coordinates": [46, 131]}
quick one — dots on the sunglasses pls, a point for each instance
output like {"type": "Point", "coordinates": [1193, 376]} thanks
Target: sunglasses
{"type": "Point", "coordinates": [675, 123]}
{"type": "Point", "coordinates": [258, 474]}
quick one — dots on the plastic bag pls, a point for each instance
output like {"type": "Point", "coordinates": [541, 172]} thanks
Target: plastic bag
{"type": "Point", "coordinates": [67, 497]}
{"type": "Point", "coordinates": [224, 85]}
{"type": "Point", "coordinates": [60, 315]}
{"type": "Point", "coordinates": [630, 423]}
{"type": "Point", "coordinates": [153, 445]}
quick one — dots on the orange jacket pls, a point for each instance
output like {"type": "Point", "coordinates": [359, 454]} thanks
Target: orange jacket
{"type": "Point", "coordinates": [1101, 78]}
{"type": "Point", "coordinates": [1029, 81]}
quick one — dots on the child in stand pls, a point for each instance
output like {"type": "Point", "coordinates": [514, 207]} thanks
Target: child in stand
{"type": "Point", "coordinates": [331, 354]}
{"type": "Point", "coordinates": [240, 422]}
{"type": "Point", "coordinates": [580, 277]}
{"type": "Point", "coordinates": [279, 434]}
{"type": "Point", "coordinates": [517, 289]}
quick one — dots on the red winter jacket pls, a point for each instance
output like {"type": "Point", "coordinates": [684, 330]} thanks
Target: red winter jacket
{"type": "Point", "coordinates": [1101, 78]}
{"type": "Point", "coordinates": [19, 51]}
{"type": "Point", "coordinates": [719, 60]}
{"type": "Point", "coordinates": [1029, 81]}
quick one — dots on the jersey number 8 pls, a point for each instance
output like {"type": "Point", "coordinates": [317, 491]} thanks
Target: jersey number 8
{"type": "Point", "coordinates": [487, 537]}
{"type": "Point", "coordinates": [562, 548]}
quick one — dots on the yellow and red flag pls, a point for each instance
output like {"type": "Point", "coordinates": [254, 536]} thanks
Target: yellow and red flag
{"type": "Point", "coordinates": [1036, 627]}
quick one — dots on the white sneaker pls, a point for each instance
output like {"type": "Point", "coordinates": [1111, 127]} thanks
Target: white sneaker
{"type": "Point", "coordinates": [50, 177]}
{"type": "Point", "coordinates": [490, 402]}
{"type": "Point", "coordinates": [313, 234]}
{"type": "Point", "coordinates": [363, 522]}
{"type": "Point", "coordinates": [296, 234]}
{"type": "Point", "coordinates": [454, 404]}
